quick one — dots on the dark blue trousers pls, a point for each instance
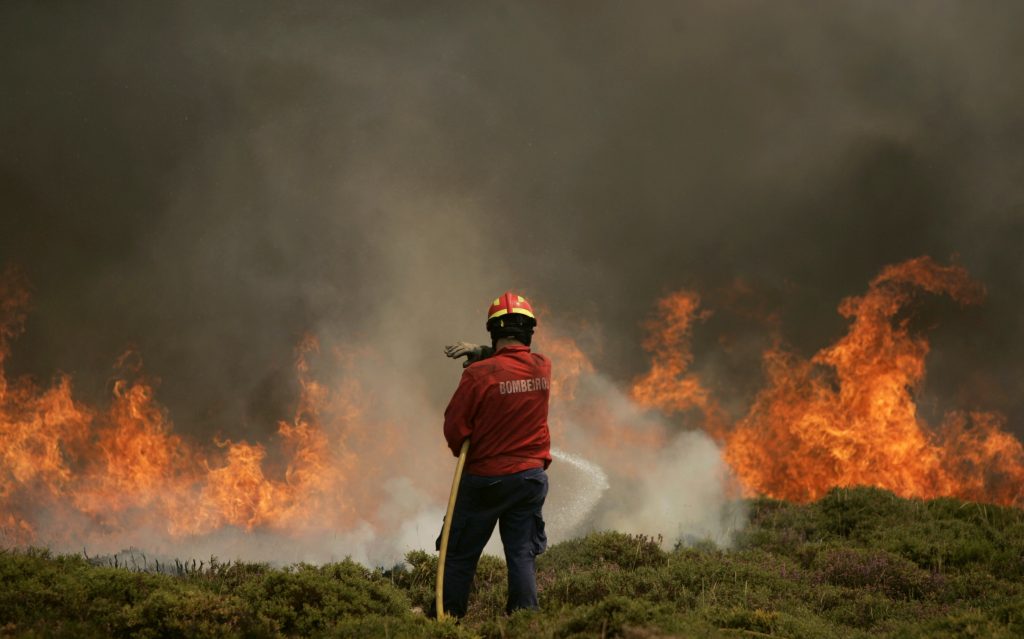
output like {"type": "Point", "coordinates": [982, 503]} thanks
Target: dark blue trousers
{"type": "Point", "coordinates": [513, 502]}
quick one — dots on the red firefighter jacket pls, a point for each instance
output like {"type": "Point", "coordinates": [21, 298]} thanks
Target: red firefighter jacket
{"type": "Point", "coordinates": [501, 405]}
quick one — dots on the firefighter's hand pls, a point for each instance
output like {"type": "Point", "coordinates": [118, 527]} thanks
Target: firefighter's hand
{"type": "Point", "coordinates": [472, 352]}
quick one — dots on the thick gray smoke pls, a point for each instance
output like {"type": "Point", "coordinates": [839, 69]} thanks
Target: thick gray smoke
{"type": "Point", "coordinates": [210, 181]}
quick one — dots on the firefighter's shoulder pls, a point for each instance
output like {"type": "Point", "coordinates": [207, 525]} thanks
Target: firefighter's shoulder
{"type": "Point", "coordinates": [480, 368]}
{"type": "Point", "coordinates": [540, 358]}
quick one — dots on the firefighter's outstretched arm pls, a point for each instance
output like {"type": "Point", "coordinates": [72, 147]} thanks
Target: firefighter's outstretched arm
{"type": "Point", "coordinates": [472, 352]}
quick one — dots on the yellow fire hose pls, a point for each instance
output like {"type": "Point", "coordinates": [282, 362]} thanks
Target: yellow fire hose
{"type": "Point", "coordinates": [447, 528]}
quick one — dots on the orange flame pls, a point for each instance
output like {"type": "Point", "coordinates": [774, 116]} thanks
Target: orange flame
{"type": "Point", "coordinates": [92, 473]}
{"type": "Point", "coordinates": [668, 385]}
{"type": "Point", "coordinates": [72, 474]}
{"type": "Point", "coordinates": [847, 416]}
{"type": "Point", "coordinates": [569, 363]}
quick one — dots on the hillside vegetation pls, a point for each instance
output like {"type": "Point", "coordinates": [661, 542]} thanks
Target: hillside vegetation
{"type": "Point", "coordinates": [859, 563]}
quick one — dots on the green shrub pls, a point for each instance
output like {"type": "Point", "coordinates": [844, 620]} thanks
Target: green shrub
{"type": "Point", "coordinates": [612, 616]}
{"type": "Point", "coordinates": [853, 512]}
{"type": "Point", "coordinates": [961, 625]}
{"type": "Point", "coordinates": [604, 548]}
{"type": "Point", "coordinates": [307, 599]}
{"type": "Point", "coordinates": [581, 586]}
{"type": "Point", "coordinates": [780, 527]}
{"type": "Point", "coordinates": [396, 628]}
{"type": "Point", "coordinates": [190, 613]}
{"type": "Point", "coordinates": [861, 609]}
{"type": "Point", "coordinates": [416, 578]}
{"type": "Point", "coordinates": [878, 570]}
{"type": "Point", "coordinates": [489, 594]}
{"type": "Point", "coordinates": [757, 620]}
{"type": "Point", "coordinates": [938, 544]}
{"type": "Point", "coordinates": [859, 563]}
{"type": "Point", "coordinates": [227, 577]}
{"type": "Point", "coordinates": [1007, 561]}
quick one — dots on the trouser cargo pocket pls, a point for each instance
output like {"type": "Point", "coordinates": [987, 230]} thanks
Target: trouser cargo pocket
{"type": "Point", "coordinates": [540, 538]}
{"type": "Point", "coordinates": [453, 537]}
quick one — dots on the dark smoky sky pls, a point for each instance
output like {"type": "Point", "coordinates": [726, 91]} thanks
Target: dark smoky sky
{"type": "Point", "coordinates": [207, 181]}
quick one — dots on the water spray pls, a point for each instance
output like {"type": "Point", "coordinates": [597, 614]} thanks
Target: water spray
{"type": "Point", "coordinates": [581, 489]}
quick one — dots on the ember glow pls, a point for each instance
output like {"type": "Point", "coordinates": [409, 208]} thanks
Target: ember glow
{"type": "Point", "coordinates": [847, 416]}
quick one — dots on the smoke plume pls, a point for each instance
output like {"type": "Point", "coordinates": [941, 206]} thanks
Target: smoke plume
{"type": "Point", "coordinates": [208, 183]}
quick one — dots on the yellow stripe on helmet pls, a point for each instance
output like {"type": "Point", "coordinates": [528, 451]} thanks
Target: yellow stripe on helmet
{"type": "Point", "coordinates": [521, 311]}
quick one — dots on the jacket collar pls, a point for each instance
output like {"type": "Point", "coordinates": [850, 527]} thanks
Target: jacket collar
{"type": "Point", "coordinates": [514, 349]}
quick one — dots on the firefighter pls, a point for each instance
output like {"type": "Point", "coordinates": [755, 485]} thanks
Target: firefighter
{"type": "Point", "coordinates": [501, 406]}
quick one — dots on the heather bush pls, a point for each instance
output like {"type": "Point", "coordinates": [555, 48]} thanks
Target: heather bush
{"type": "Point", "coordinates": [415, 578]}
{"type": "Point", "coordinates": [604, 548]}
{"type": "Point", "coordinates": [490, 590]}
{"type": "Point", "coordinates": [578, 586]}
{"type": "Point", "coordinates": [173, 612]}
{"type": "Point", "coordinates": [756, 620]}
{"type": "Point", "coordinates": [862, 609]}
{"type": "Point", "coordinates": [1007, 561]}
{"type": "Point", "coordinates": [226, 577]}
{"type": "Point", "coordinates": [780, 527]}
{"type": "Point", "coordinates": [306, 599]}
{"type": "Point", "coordinates": [962, 625]}
{"type": "Point", "coordinates": [876, 570]}
{"type": "Point", "coordinates": [855, 512]}
{"type": "Point", "coordinates": [397, 627]}
{"type": "Point", "coordinates": [938, 544]}
{"type": "Point", "coordinates": [613, 617]}
{"type": "Point", "coordinates": [39, 587]}
{"type": "Point", "coordinates": [858, 563]}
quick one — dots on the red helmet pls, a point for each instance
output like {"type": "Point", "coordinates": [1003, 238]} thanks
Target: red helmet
{"type": "Point", "coordinates": [511, 316]}
{"type": "Point", "coordinates": [510, 303]}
